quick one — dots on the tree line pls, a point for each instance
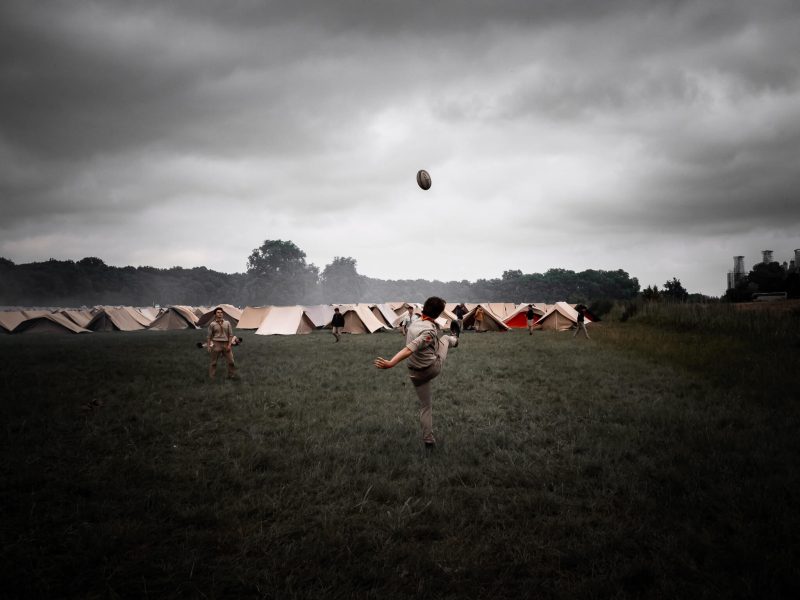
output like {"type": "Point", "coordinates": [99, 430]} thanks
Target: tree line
{"type": "Point", "coordinates": [279, 274]}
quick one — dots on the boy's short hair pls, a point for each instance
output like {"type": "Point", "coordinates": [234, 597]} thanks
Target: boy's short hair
{"type": "Point", "coordinates": [335, 310]}
{"type": "Point", "coordinates": [433, 307]}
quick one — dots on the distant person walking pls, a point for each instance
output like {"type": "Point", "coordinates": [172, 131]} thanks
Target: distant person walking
{"type": "Point", "coordinates": [426, 352]}
{"type": "Point", "coordinates": [459, 311]}
{"type": "Point", "coordinates": [581, 324]}
{"type": "Point", "coordinates": [531, 317]}
{"type": "Point", "coordinates": [408, 319]}
{"type": "Point", "coordinates": [337, 323]}
{"type": "Point", "coordinates": [220, 339]}
{"type": "Point", "coordinates": [479, 319]}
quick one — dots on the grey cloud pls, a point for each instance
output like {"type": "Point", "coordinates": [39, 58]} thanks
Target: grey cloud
{"type": "Point", "coordinates": [108, 108]}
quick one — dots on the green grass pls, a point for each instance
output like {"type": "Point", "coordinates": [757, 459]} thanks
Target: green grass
{"type": "Point", "coordinates": [566, 468]}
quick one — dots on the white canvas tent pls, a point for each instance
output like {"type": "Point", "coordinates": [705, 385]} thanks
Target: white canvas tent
{"type": "Point", "coordinates": [252, 317]}
{"type": "Point", "coordinates": [320, 314]}
{"type": "Point", "coordinates": [384, 314]}
{"type": "Point", "coordinates": [286, 320]}
{"type": "Point", "coordinates": [502, 309]}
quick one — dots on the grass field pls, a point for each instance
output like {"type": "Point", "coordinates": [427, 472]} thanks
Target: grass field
{"type": "Point", "coordinates": [648, 462]}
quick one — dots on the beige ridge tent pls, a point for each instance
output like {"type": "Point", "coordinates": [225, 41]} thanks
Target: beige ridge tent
{"type": "Point", "coordinates": [446, 318]}
{"type": "Point", "coordinates": [403, 311]}
{"type": "Point", "coordinates": [149, 312]}
{"type": "Point", "coordinates": [286, 320]}
{"type": "Point", "coordinates": [559, 317]}
{"type": "Point", "coordinates": [396, 306]}
{"type": "Point", "coordinates": [358, 319]}
{"type": "Point", "coordinates": [9, 319]}
{"type": "Point", "coordinates": [31, 313]}
{"type": "Point", "coordinates": [231, 314]}
{"type": "Point", "coordinates": [501, 309]}
{"type": "Point", "coordinates": [401, 308]}
{"type": "Point", "coordinates": [112, 318]}
{"type": "Point", "coordinates": [175, 317]}
{"type": "Point", "coordinates": [80, 317]}
{"type": "Point", "coordinates": [252, 317]}
{"type": "Point", "coordinates": [140, 318]}
{"type": "Point", "coordinates": [384, 314]}
{"type": "Point", "coordinates": [320, 314]}
{"type": "Point", "coordinates": [49, 323]}
{"type": "Point", "coordinates": [491, 322]}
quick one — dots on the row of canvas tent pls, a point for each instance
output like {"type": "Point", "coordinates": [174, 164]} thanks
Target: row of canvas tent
{"type": "Point", "coordinates": [109, 318]}
{"type": "Point", "coordinates": [277, 320]}
{"type": "Point", "coordinates": [371, 318]}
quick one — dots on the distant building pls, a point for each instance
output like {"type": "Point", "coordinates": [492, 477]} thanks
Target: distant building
{"type": "Point", "coordinates": [739, 273]}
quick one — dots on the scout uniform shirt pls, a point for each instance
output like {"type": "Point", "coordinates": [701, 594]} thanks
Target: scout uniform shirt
{"type": "Point", "coordinates": [423, 341]}
{"type": "Point", "coordinates": [220, 333]}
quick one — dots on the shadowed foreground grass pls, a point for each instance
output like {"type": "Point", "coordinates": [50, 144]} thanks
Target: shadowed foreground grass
{"type": "Point", "coordinates": [566, 468]}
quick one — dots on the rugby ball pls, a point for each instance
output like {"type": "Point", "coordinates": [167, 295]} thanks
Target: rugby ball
{"type": "Point", "coordinates": [423, 179]}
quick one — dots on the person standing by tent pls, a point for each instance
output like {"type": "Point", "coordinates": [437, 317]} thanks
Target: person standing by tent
{"type": "Point", "coordinates": [478, 319]}
{"type": "Point", "coordinates": [408, 320]}
{"type": "Point", "coordinates": [426, 353]}
{"type": "Point", "coordinates": [459, 311]}
{"type": "Point", "coordinates": [531, 316]}
{"type": "Point", "coordinates": [580, 324]}
{"type": "Point", "coordinates": [220, 338]}
{"type": "Point", "coordinates": [337, 323]}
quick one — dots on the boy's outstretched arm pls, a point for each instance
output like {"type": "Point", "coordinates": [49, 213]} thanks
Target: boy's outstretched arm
{"type": "Point", "coordinates": [382, 363]}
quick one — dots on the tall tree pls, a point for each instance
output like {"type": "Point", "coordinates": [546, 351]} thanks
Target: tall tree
{"type": "Point", "coordinates": [278, 274]}
{"type": "Point", "coordinates": [651, 294]}
{"type": "Point", "coordinates": [769, 277]}
{"type": "Point", "coordinates": [340, 281]}
{"type": "Point", "coordinates": [673, 290]}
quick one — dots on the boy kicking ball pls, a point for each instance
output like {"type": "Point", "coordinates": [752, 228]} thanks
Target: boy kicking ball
{"type": "Point", "coordinates": [426, 353]}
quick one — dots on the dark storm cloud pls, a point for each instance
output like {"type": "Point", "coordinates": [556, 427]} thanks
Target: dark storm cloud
{"type": "Point", "coordinates": [668, 116]}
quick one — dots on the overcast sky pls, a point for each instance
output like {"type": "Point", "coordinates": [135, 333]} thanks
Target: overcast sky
{"type": "Point", "coordinates": [661, 138]}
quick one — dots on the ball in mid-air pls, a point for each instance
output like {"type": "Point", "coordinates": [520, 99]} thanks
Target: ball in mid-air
{"type": "Point", "coordinates": [423, 179]}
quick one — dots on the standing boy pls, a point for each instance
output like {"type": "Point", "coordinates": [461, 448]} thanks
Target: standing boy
{"type": "Point", "coordinates": [408, 320]}
{"type": "Point", "coordinates": [478, 319]}
{"type": "Point", "coordinates": [337, 323]}
{"type": "Point", "coordinates": [220, 338]}
{"type": "Point", "coordinates": [580, 324]}
{"type": "Point", "coordinates": [459, 311]}
{"type": "Point", "coordinates": [426, 353]}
